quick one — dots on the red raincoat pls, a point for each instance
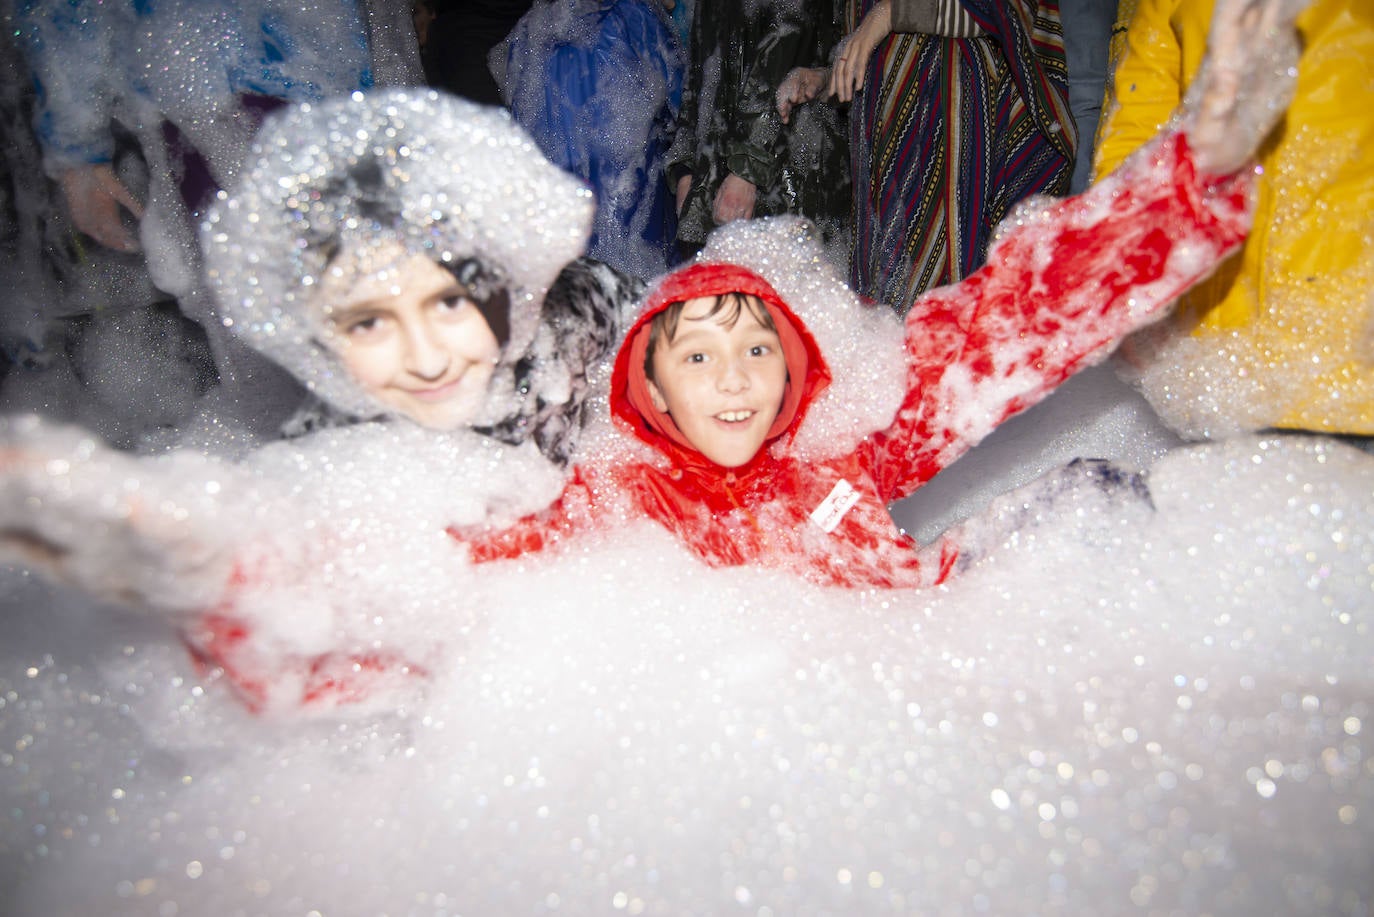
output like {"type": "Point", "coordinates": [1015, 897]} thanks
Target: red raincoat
{"type": "Point", "coordinates": [1059, 290]}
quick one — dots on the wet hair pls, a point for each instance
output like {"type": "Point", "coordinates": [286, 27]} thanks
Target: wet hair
{"type": "Point", "coordinates": [488, 291]}
{"type": "Point", "coordinates": [374, 201]}
{"type": "Point", "coordinates": [483, 284]}
{"type": "Point", "coordinates": [726, 310]}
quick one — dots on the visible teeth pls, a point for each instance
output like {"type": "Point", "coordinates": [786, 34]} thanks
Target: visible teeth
{"type": "Point", "coordinates": [732, 416]}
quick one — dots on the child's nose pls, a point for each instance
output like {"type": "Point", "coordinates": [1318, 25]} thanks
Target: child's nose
{"type": "Point", "coordinates": [425, 355]}
{"type": "Point", "coordinates": [733, 378]}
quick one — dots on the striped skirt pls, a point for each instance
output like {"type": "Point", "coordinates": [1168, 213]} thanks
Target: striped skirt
{"type": "Point", "coordinates": [947, 136]}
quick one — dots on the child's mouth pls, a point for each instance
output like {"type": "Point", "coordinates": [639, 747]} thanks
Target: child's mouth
{"type": "Point", "coordinates": [734, 416]}
{"type": "Point", "coordinates": [438, 392]}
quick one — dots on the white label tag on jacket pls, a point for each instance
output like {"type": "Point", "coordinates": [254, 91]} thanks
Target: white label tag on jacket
{"type": "Point", "coordinates": [833, 507]}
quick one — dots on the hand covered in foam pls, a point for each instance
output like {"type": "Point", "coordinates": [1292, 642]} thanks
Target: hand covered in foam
{"type": "Point", "coordinates": [285, 613]}
{"type": "Point", "coordinates": [1246, 81]}
{"type": "Point", "coordinates": [113, 525]}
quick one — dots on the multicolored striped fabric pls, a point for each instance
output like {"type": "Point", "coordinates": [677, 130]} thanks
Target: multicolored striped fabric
{"type": "Point", "coordinates": [947, 136]}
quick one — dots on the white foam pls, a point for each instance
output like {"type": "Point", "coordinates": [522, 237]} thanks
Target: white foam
{"type": "Point", "coordinates": [1118, 708]}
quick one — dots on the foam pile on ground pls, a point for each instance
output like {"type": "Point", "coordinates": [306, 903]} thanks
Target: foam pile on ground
{"type": "Point", "coordinates": [1148, 695]}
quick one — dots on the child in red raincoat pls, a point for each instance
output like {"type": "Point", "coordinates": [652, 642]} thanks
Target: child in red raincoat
{"type": "Point", "coordinates": [732, 363]}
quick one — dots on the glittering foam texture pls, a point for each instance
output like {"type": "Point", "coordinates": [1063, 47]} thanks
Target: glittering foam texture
{"type": "Point", "coordinates": [443, 177]}
{"type": "Point", "coordinates": [1125, 708]}
{"type": "Point", "coordinates": [1302, 358]}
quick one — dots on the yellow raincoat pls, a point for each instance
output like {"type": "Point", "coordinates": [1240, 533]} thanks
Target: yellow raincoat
{"type": "Point", "coordinates": [1283, 335]}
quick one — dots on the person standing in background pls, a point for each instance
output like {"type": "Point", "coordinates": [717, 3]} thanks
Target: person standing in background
{"type": "Point", "coordinates": [1087, 48]}
{"type": "Point", "coordinates": [964, 112]}
{"type": "Point", "coordinates": [733, 157]}
{"type": "Point", "coordinates": [1283, 335]}
{"type": "Point", "coordinates": [598, 83]}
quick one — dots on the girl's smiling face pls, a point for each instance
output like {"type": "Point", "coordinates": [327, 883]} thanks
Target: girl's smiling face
{"type": "Point", "coordinates": [411, 336]}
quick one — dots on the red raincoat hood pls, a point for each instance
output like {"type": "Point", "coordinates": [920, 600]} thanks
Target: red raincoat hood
{"type": "Point", "coordinates": [807, 373]}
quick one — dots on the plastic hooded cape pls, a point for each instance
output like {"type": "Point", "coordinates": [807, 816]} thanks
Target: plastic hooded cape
{"type": "Point", "coordinates": [443, 178]}
{"type": "Point", "coordinates": [598, 85]}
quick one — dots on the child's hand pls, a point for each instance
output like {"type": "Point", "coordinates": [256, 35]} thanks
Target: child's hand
{"type": "Point", "coordinates": [1245, 83]}
{"type": "Point", "coordinates": [847, 76]}
{"type": "Point", "coordinates": [799, 87]}
{"type": "Point", "coordinates": [95, 197]}
{"type": "Point", "coordinates": [109, 523]}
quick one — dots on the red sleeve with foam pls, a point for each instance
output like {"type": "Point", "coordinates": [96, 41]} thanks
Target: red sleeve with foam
{"type": "Point", "coordinates": [1064, 282]}
{"type": "Point", "coordinates": [534, 533]}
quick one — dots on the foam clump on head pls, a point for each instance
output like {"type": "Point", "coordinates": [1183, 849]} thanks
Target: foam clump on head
{"type": "Point", "coordinates": [415, 172]}
{"type": "Point", "coordinates": [862, 345]}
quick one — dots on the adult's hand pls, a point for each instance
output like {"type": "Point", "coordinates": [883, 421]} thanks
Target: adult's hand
{"type": "Point", "coordinates": [847, 76]}
{"type": "Point", "coordinates": [94, 197]}
{"type": "Point", "coordinates": [799, 87]}
{"type": "Point", "coordinates": [734, 200]}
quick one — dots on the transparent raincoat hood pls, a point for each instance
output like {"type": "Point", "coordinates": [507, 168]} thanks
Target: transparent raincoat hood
{"type": "Point", "coordinates": [439, 176]}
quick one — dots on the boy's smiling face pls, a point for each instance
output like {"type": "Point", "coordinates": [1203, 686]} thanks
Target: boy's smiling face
{"type": "Point", "coordinates": [412, 338]}
{"type": "Point", "coordinates": [721, 381]}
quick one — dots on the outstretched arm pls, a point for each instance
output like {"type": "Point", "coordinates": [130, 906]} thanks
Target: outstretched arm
{"type": "Point", "coordinates": [276, 611]}
{"type": "Point", "coordinates": [110, 524]}
{"type": "Point", "coordinates": [1065, 281]}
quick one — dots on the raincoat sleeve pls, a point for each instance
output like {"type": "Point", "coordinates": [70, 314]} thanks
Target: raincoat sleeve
{"type": "Point", "coordinates": [178, 538]}
{"type": "Point", "coordinates": [750, 152]}
{"type": "Point", "coordinates": [1161, 53]}
{"type": "Point", "coordinates": [269, 672]}
{"type": "Point", "coordinates": [570, 513]}
{"type": "Point", "coordinates": [1064, 282]}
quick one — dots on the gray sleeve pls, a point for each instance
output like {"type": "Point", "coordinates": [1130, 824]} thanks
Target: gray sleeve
{"type": "Point", "coordinates": [945, 18]}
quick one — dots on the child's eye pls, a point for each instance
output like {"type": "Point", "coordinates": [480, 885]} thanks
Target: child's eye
{"type": "Point", "coordinates": [453, 302]}
{"type": "Point", "coordinates": [363, 326]}
{"type": "Point", "coordinates": [760, 350]}
{"type": "Point", "coordinates": [696, 358]}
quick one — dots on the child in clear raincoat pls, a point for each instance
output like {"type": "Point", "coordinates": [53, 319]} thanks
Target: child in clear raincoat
{"type": "Point", "coordinates": [395, 253]}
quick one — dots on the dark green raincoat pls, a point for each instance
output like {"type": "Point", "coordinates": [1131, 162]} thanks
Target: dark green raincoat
{"type": "Point", "coordinates": [741, 52]}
